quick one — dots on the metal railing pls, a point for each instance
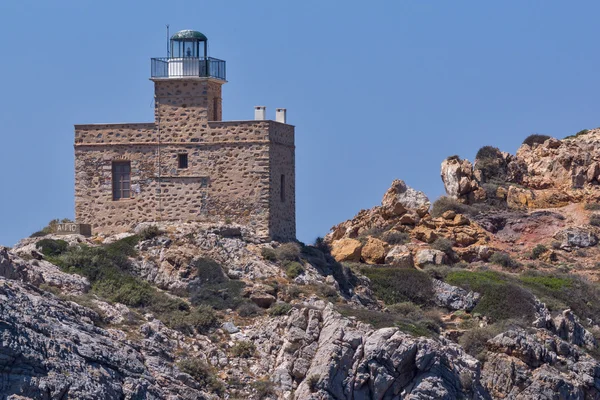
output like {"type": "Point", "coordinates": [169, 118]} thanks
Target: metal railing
{"type": "Point", "coordinates": [177, 67]}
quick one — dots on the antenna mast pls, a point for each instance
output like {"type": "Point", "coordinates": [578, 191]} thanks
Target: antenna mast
{"type": "Point", "coordinates": [168, 49]}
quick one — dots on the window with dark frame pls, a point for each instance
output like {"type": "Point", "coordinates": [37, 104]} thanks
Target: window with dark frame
{"type": "Point", "coordinates": [282, 188]}
{"type": "Point", "coordinates": [182, 161]}
{"type": "Point", "coordinates": [121, 178]}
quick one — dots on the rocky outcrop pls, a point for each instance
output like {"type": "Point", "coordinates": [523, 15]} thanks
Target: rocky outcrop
{"type": "Point", "coordinates": [52, 349]}
{"type": "Point", "coordinates": [539, 366]}
{"type": "Point", "coordinates": [40, 272]}
{"type": "Point", "coordinates": [459, 180]}
{"type": "Point", "coordinates": [325, 356]}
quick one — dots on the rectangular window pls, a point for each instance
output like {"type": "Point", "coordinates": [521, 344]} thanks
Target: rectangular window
{"type": "Point", "coordinates": [121, 178]}
{"type": "Point", "coordinates": [182, 161]}
{"type": "Point", "coordinates": [282, 188]}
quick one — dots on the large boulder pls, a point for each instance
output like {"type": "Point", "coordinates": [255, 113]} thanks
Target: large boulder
{"type": "Point", "coordinates": [373, 251]}
{"type": "Point", "coordinates": [346, 250]}
{"type": "Point", "coordinates": [400, 197]}
{"type": "Point", "coordinates": [459, 180]}
{"type": "Point", "coordinates": [576, 237]}
{"type": "Point", "coordinates": [399, 256]}
{"type": "Point", "coordinates": [454, 298]}
{"type": "Point", "coordinates": [430, 256]}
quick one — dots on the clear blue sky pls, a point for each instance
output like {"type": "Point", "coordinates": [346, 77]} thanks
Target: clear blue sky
{"type": "Point", "coordinates": [377, 90]}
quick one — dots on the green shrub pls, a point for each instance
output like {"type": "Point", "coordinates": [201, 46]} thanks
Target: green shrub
{"type": "Point", "coordinates": [535, 138]}
{"type": "Point", "coordinates": [437, 271]}
{"type": "Point", "coordinates": [504, 260]}
{"type": "Point", "coordinates": [209, 271]}
{"type": "Point", "coordinates": [395, 237]}
{"type": "Point", "coordinates": [293, 269]}
{"type": "Point", "coordinates": [313, 382]}
{"type": "Point", "coordinates": [268, 254]}
{"type": "Point", "coordinates": [52, 247]}
{"type": "Point", "coordinates": [279, 308]}
{"type": "Point", "coordinates": [538, 251]}
{"type": "Point", "coordinates": [263, 388]}
{"type": "Point", "coordinates": [243, 349]}
{"type": "Point", "coordinates": [446, 203]}
{"type": "Point", "coordinates": [149, 232]}
{"type": "Point", "coordinates": [221, 296]}
{"type": "Point", "coordinates": [201, 319]}
{"type": "Point", "coordinates": [592, 206]}
{"type": "Point", "coordinates": [322, 245]}
{"type": "Point", "coordinates": [288, 252]}
{"type": "Point", "coordinates": [580, 133]}
{"type": "Point", "coordinates": [202, 373]}
{"type": "Point", "coordinates": [488, 152]}
{"type": "Point", "coordinates": [396, 285]}
{"type": "Point", "coordinates": [595, 219]}
{"type": "Point", "coordinates": [442, 244]}
{"type": "Point", "coordinates": [249, 309]}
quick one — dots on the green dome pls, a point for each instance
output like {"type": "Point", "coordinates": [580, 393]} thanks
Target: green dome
{"type": "Point", "coordinates": [189, 34]}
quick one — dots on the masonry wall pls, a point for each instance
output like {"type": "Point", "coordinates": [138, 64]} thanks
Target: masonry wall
{"type": "Point", "coordinates": [282, 223]}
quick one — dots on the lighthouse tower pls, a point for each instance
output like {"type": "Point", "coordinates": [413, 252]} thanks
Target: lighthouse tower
{"type": "Point", "coordinates": [188, 165]}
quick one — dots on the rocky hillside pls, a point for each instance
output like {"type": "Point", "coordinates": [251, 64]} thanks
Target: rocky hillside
{"type": "Point", "coordinates": [488, 293]}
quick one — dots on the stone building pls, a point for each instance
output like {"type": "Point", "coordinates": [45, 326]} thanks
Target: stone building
{"type": "Point", "coordinates": [187, 165]}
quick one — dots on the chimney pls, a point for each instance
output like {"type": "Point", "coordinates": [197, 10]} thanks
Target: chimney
{"type": "Point", "coordinates": [260, 113]}
{"type": "Point", "coordinates": [280, 115]}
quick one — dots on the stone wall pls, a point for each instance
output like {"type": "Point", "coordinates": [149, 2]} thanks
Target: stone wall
{"type": "Point", "coordinates": [282, 223]}
{"type": "Point", "coordinates": [234, 168]}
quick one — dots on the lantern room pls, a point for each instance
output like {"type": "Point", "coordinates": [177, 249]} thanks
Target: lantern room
{"type": "Point", "coordinates": [187, 58]}
{"type": "Point", "coordinates": [188, 43]}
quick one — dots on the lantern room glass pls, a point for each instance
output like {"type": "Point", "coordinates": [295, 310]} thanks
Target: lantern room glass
{"type": "Point", "coordinates": [188, 48]}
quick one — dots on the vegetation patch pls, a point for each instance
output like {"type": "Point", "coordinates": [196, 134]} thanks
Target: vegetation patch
{"type": "Point", "coordinates": [279, 308]}
{"type": "Point", "coordinates": [150, 232]}
{"type": "Point", "coordinates": [109, 271]}
{"type": "Point", "coordinates": [538, 251]}
{"type": "Point", "coordinates": [443, 244]}
{"type": "Point", "coordinates": [243, 349]}
{"type": "Point", "coordinates": [595, 219]}
{"type": "Point", "coordinates": [592, 206]}
{"type": "Point", "coordinates": [396, 285]}
{"type": "Point", "coordinates": [395, 237]}
{"type": "Point", "coordinates": [293, 269]}
{"type": "Point", "coordinates": [501, 299]}
{"type": "Point", "coordinates": [580, 133]}
{"type": "Point", "coordinates": [535, 138]}
{"type": "Point", "coordinates": [202, 373]}
{"type": "Point", "coordinates": [52, 247]}
{"type": "Point", "coordinates": [288, 252]}
{"type": "Point", "coordinates": [504, 259]}
{"type": "Point", "coordinates": [446, 203]}
{"type": "Point", "coordinates": [487, 152]}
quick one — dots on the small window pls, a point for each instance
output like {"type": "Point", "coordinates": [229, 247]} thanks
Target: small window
{"type": "Point", "coordinates": [282, 188]}
{"type": "Point", "coordinates": [121, 178]}
{"type": "Point", "coordinates": [182, 161]}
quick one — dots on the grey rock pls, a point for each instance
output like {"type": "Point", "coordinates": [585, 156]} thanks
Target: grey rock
{"type": "Point", "coordinates": [399, 256]}
{"type": "Point", "coordinates": [230, 327]}
{"type": "Point", "coordinates": [430, 256]}
{"type": "Point", "coordinates": [576, 237]}
{"type": "Point", "coordinates": [454, 298]}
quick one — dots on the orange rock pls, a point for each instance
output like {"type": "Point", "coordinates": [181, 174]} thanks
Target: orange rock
{"type": "Point", "coordinates": [374, 251]}
{"type": "Point", "coordinates": [346, 250]}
